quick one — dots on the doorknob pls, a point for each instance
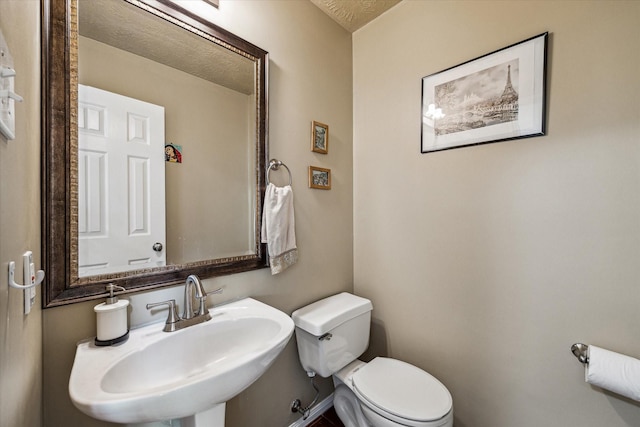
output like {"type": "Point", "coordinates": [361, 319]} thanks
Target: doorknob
{"type": "Point", "coordinates": [157, 247]}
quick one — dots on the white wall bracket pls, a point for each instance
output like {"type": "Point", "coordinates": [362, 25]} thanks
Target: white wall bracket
{"type": "Point", "coordinates": [8, 97]}
{"type": "Point", "coordinates": [32, 277]}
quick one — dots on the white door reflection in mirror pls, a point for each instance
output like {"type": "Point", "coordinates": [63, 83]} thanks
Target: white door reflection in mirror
{"type": "Point", "coordinates": [121, 183]}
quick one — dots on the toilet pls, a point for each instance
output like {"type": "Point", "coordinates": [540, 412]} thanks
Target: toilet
{"type": "Point", "coordinates": [331, 334]}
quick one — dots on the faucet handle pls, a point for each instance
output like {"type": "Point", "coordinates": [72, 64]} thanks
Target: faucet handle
{"type": "Point", "coordinates": [217, 291]}
{"type": "Point", "coordinates": [202, 309]}
{"type": "Point", "coordinates": [173, 316]}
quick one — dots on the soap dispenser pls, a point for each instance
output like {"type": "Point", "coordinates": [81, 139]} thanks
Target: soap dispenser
{"type": "Point", "coordinates": [111, 319]}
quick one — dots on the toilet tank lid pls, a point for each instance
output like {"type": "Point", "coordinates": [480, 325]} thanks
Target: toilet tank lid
{"type": "Point", "coordinates": [322, 316]}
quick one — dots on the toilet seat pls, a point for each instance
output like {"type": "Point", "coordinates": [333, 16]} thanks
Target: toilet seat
{"type": "Point", "coordinates": [401, 392]}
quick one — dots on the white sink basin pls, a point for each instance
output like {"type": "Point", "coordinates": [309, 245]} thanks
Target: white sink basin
{"type": "Point", "coordinates": [158, 375]}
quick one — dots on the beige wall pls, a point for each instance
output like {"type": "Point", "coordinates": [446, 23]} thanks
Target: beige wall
{"type": "Point", "coordinates": [310, 79]}
{"type": "Point", "coordinates": [20, 335]}
{"type": "Point", "coordinates": [486, 263]}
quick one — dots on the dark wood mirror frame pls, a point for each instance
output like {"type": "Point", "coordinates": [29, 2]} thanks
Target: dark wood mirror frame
{"type": "Point", "coordinates": [59, 138]}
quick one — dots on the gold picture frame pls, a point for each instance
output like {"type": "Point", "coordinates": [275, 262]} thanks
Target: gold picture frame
{"type": "Point", "coordinates": [319, 178]}
{"type": "Point", "coordinates": [319, 137]}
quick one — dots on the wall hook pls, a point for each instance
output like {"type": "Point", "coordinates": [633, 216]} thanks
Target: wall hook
{"type": "Point", "coordinates": [36, 279]}
{"type": "Point", "coordinates": [31, 277]}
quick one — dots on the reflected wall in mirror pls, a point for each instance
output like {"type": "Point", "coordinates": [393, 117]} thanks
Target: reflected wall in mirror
{"type": "Point", "coordinates": [148, 71]}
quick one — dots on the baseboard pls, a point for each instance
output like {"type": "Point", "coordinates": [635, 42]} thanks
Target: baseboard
{"type": "Point", "coordinates": [315, 412]}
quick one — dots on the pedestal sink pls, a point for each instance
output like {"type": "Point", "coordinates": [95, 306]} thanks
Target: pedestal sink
{"type": "Point", "coordinates": [188, 374]}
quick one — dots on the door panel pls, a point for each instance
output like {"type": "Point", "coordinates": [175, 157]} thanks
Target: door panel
{"type": "Point", "coordinates": [121, 183]}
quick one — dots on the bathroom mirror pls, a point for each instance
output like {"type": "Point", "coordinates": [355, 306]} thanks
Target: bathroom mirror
{"type": "Point", "coordinates": [210, 86]}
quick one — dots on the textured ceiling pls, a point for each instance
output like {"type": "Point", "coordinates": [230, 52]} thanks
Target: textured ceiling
{"type": "Point", "coordinates": [126, 27]}
{"type": "Point", "coordinates": [354, 14]}
{"type": "Point", "coordinates": [130, 28]}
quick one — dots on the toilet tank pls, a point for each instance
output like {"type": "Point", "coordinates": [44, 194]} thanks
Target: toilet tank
{"type": "Point", "coordinates": [332, 332]}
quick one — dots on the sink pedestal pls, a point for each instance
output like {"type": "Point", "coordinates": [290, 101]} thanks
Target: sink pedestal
{"type": "Point", "coordinates": [213, 417]}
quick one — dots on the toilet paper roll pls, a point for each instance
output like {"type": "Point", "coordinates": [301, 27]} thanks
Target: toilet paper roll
{"type": "Point", "coordinates": [614, 372]}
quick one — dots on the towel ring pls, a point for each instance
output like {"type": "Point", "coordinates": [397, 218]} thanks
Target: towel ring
{"type": "Point", "coordinates": [275, 165]}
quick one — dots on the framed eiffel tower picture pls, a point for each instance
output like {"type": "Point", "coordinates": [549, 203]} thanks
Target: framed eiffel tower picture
{"type": "Point", "coordinates": [499, 96]}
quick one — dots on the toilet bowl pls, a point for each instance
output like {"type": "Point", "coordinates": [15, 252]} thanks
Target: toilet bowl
{"type": "Point", "coordinates": [331, 334]}
{"type": "Point", "coordinates": [390, 393]}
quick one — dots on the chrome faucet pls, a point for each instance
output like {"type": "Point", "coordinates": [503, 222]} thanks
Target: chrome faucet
{"type": "Point", "coordinates": [194, 284]}
{"type": "Point", "coordinates": [192, 288]}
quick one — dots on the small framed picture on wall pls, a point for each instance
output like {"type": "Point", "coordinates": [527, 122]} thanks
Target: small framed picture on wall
{"type": "Point", "coordinates": [319, 178]}
{"type": "Point", "coordinates": [319, 137]}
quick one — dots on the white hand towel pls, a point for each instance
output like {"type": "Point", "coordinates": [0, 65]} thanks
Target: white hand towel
{"type": "Point", "coordinates": [278, 227]}
{"type": "Point", "coordinates": [613, 371]}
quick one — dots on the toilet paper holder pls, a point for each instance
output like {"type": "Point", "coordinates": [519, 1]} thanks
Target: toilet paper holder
{"type": "Point", "coordinates": [580, 350]}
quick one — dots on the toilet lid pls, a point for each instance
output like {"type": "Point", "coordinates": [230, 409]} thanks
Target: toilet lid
{"type": "Point", "coordinates": [403, 390]}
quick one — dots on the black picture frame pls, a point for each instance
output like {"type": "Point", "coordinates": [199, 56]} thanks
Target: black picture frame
{"type": "Point", "coordinates": [499, 96]}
